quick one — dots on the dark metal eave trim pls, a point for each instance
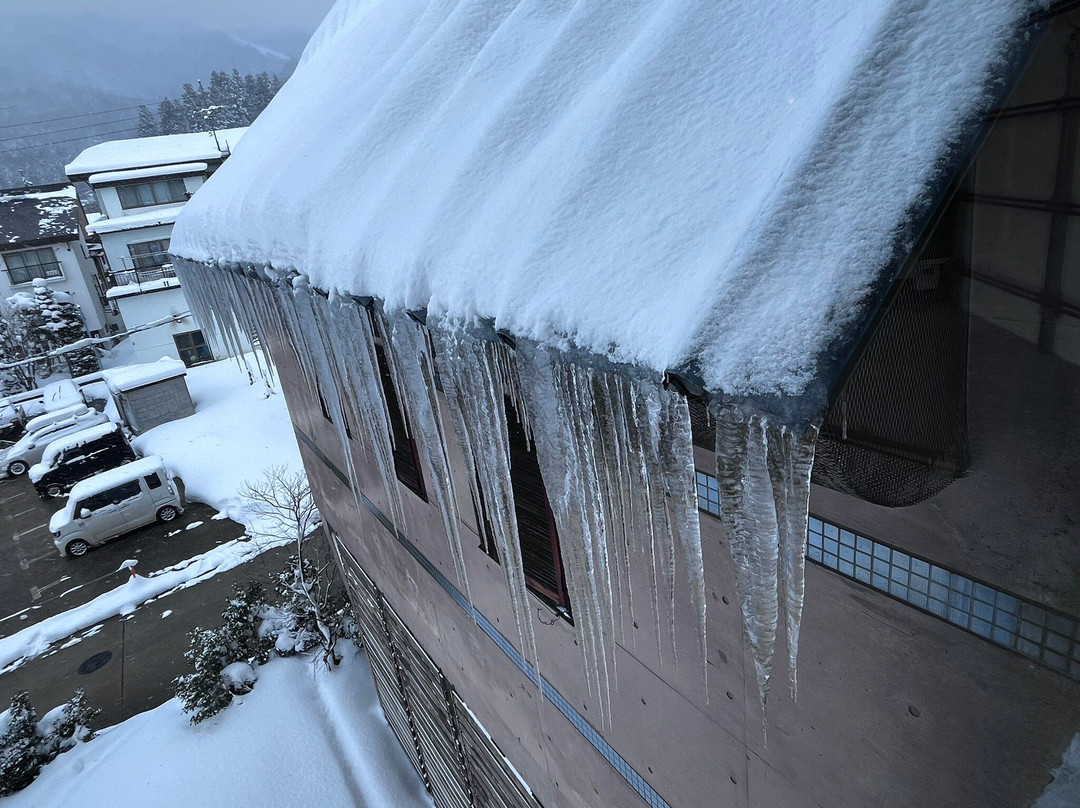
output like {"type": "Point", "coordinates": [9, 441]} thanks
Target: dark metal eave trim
{"type": "Point", "coordinates": [15, 246]}
{"type": "Point", "coordinates": [842, 359]}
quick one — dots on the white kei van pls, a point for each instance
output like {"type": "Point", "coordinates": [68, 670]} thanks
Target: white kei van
{"type": "Point", "coordinates": [113, 503]}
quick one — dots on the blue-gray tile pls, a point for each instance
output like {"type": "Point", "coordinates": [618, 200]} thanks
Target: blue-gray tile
{"type": "Point", "coordinates": [1007, 603]}
{"type": "Point", "coordinates": [881, 551]}
{"type": "Point", "coordinates": [847, 568]}
{"type": "Point", "coordinates": [899, 575]}
{"type": "Point", "coordinates": [980, 627]}
{"type": "Point", "coordinates": [1033, 613]}
{"type": "Point", "coordinates": [938, 607]}
{"type": "Point", "coordinates": [920, 567]}
{"type": "Point", "coordinates": [900, 559]}
{"type": "Point", "coordinates": [847, 537]}
{"type": "Point", "coordinates": [862, 560]}
{"type": "Point", "coordinates": [815, 524]}
{"type": "Point", "coordinates": [940, 575]}
{"type": "Point", "coordinates": [984, 593]}
{"type": "Point", "coordinates": [862, 575]}
{"type": "Point", "coordinates": [880, 582]}
{"type": "Point", "coordinates": [917, 599]}
{"type": "Point", "coordinates": [815, 554]}
{"type": "Point", "coordinates": [918, 583]}
{"type": "Point", "coordinates": [1057, 643]}
{"type": "Point", "coordinates": [939, 591]}
{"type": "Point", "coordinates": [961, 584]}
{"type": "Point", "coordinates": [1031, 631]}
{"type": "Point", "coordinates": [863, 544]}
{"type": "Point", "coordinates": [832, 531]}
{"type": "Point", "coordinates": [983, 611]}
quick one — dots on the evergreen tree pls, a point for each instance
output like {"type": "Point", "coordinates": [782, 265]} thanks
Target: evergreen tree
{"type": "Point", "coordinates": [69, 726]}
{"type": "Point", "coordinates": [204, 693]}
{"type": "Point", "coordinates": [170, 118]}
{"type": "Point", "coordinates": [148, 124]}
{"type": "Point", "coordinates": [14, 346]}
{"type": "Point", "coordinates": [20, 756]}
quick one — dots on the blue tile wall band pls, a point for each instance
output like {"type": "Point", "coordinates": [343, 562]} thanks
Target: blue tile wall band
{"type": "Point", "coordinates": [1038, 632]}
{"type": "Point", "coordinates": [628, 773]}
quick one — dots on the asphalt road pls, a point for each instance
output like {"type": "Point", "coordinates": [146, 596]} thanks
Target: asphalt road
{"type": "Point", "coordinates": [126, 665]}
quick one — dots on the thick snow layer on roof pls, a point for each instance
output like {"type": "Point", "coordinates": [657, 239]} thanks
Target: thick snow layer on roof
{"type": "Point", "coordinates": [146, 173]}
{"type": "Point", "coordinates": [49, 418]}
{"type": "Point", "coordinates": [150, 218]}
{"type": "Point", "coordinates": [63, 394]}
{"type": "Point", "coordinates": [122, 379]}
{"type": "Point", "coordinates": [660, 181]}
{"type": "Point", "coordinates": [164, 150]}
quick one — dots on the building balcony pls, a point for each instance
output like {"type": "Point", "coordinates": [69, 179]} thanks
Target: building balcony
{"type": "Point", "coordinates": [147, 273]}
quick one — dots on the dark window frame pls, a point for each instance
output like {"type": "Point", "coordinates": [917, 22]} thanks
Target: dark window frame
{"type": "Point", "coordinates": [406, 457]}
{"type": "Point", "coordinates": [193, 354]}
{"type": "Point", "coordinates": [26, 272]}
{"type": "Point", "coordinates": [525, 477]}
{"type": "Point", "coordinates": [151, 254]}
{"type": "Point", "coordinates": [165, 191]}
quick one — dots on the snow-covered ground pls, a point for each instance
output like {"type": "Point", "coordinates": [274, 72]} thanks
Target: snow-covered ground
{"type": "Point", "coordinates": [299, 738]}
{"type": "Point", "coordinates": [237, 431]}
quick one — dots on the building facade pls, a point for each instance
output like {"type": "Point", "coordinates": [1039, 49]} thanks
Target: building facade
{"type": "Point", "coordinates": [42, 236]}
{"type": "Point", "coordinates": [938, 647]}
{"type": "Point", "coordinates": [140, 186]}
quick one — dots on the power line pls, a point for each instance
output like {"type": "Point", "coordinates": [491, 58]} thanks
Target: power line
{"type": "Point", "coordinates": [69, 117]}
{"type": "Point", "coordinates": [68, 129]}
{"type": "Point", "coordinates": [73, 140]}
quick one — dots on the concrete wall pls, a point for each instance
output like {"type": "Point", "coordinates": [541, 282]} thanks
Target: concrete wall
{"type": "Point", "coordinates": [109, 199]}
{"type": "Point", "coordinates": [895, 708]}
{"type": "Point", "coordinates": [78, 281]}
{"type": "Point", "coordinates": [155, 404]}
{"type": "Point", "coordinates": [146, 307]}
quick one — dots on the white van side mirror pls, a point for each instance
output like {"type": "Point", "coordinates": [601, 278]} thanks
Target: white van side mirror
{"type": "Point", "coordinates": [84, 513]}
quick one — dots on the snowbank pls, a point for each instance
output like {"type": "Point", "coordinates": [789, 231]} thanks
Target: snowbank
{"type": "Point", "coordinates": [1064, 790]}
{"type": "Point", "coordinates": [34, 640]}
{"type": "Point", "coordinates": [235, 433]}
{"type": "Point", "coordinates": [668, 181]}
{"type": "Point", "coordinates": [297, 739]}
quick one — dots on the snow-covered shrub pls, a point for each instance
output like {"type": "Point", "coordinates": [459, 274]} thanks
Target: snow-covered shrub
{"type": "Point", "coordinates": [239, 678]}
{"type": "Point", "coordinates": [20, 753]}
{"type": "Point", "coordinates": [313, 611]}
{"type": "Point", "coordinates": [204, 693]}
{"type": "Point", "coordinates": [67, 725]}
{"type": "Point", "coordinates": [27, 744]}
{"type": "Point", "coordinates": [244, 617]}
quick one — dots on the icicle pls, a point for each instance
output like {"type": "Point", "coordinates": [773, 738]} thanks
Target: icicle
{"type": "Point", "coordinates": [791, 461]}
{"type": "Point", "coordinates": [477, 379]}
{"type": "Point", "coordinates": [764, 473]}
{"type": "Point", "coordinates": [409, 355]}
{"type": "Point", "coordinates": [604, 441]}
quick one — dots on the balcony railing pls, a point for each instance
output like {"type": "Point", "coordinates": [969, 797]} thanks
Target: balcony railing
{"type": "Point", "coordinates": [143, 269]}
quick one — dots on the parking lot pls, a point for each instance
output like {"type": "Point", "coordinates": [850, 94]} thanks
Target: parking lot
{"type": "Point", "coordinates": [36, 582]}
{"type": "Point", "coordinates": [126, 664]}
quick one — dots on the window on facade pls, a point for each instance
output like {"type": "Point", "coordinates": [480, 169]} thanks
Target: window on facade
{"type": "Point", "coordinates": [540, 553]}
{"type": "Point", "coordinates": [192, 348]}
{"type": "Point", "coordinates": [406, 458]}
{"type": "Point", "coordinates": [23, 267]}
{"type": "Point", "coordinates": [145, 194]}
{"type": "Point", "coordinates": [149, 254]}
{"type": "Point", "coordinates": [322, 403]}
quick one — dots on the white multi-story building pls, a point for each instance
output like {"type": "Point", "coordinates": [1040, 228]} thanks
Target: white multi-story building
{"type": "Point", "coordinates": [141, 185]}
{"type": "Point", "coordinates": [42, 236]}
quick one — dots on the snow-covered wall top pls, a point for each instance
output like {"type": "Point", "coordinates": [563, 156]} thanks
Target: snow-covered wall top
{"type": "Point", "coordinates": [131, 377]}
{"type": "Point", "coordinates": [140, 152]}
{"type": "Point", "coordinates": [658, 181]}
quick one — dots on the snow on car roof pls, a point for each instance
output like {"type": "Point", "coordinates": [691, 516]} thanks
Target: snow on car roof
{"type": "Point", "coordinates": [41, 421]}
{"type": "Point", "coordinates": [717, 184]}
{"type": "Point", "coordinates": [130, 377]}
{"type": "Point", "coordinates": [112, 478]}
{"type": "Point", "coordinates": [76, 439]}
{"type": "Point", "coordinates": [163, 150]}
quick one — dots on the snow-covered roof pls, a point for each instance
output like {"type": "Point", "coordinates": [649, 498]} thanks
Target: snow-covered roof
{"type": "Point", "coordinates": [111, 478]}
{"type": "Point", "coordinates": [135, 221]}
{"type": "Point", "coordinates": [164, 150]}
{"type": "Point", "coordinates": [74, 440]}
{"type": "Point", "coordinates": [131, 377]}
{"type": "Point", "coordinates": [38, 215]}
{"type": "Point", "coordinates": [717, 185]}
{"type": "Point", "coordinates": [146, 173]}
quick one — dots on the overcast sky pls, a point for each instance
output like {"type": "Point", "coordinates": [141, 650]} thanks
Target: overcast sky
{"type": "Point", "coordinates": [303, 15]}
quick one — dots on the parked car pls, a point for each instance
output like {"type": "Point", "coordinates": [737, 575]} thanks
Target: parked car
{"type": "Point", "coordinates": [26, 451]}
{"type": "Point", "coordinates": [82, 454]}
{"type": "Point", "coordinates": [39, 422]}
{"type": "Point", "coordinates": [113, 503]}
{"type": "Point", "coordinates": [12, 424]}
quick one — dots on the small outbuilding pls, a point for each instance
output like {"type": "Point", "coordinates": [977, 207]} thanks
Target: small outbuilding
{"type": "Point", "coordinates": [150, 394]}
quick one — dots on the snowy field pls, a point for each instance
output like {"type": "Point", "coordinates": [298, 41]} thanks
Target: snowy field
{"type": "Point", "coordinates": [237, 431]}
{"type": "Point", "coordinates": [301, 737]}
